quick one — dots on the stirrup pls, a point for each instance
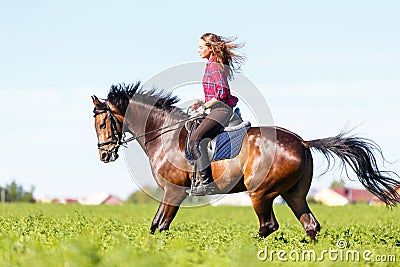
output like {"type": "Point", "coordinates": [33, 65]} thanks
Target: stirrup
{"type": "Point", "coordinates": [197, 188]}
{"type": "Point", "coordinates": [202, 190]}
{"type": "Point", "coordinates": [197, 183]}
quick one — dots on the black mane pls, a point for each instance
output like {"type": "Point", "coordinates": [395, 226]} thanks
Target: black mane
{"type": "Point", "coordinates": [121, 94]}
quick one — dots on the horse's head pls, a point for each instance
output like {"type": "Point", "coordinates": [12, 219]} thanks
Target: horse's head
{"type": "Point", "coordinates": [108, 124]}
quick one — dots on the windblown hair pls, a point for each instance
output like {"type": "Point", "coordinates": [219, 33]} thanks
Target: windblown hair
{"type": "Point", "coordinates": [222, 49]}
{"type": "Point", "coordinates": [121, 94]}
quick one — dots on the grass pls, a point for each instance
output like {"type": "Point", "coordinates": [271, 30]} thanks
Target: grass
{"type": "Point", "coordinates": [74, 235]}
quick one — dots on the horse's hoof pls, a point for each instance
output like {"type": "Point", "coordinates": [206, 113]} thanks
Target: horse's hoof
{"type": "Point", "coordinates": [152, 230]}
{"type": "Point", "coordinates": [312, 234]}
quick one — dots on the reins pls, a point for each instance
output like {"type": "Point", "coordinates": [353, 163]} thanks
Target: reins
{"type": "Point", "coordinates": [121, 140]}
{"type": "Point", "coordinates": [134, 137]}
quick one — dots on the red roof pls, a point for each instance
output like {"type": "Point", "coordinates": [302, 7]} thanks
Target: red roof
{"type": "Point", "coordinates": [355, 195]}
{"type": "Point", "coordinates": [111, 200]}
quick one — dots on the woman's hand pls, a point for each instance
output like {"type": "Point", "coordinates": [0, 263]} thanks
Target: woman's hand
{"type": "Point", "coordinates": [197, 104]}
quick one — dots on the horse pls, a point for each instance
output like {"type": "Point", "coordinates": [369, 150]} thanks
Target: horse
{"type": "Point", "coordinates": [273, 161]}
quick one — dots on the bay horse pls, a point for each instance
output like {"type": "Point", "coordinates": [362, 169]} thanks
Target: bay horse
{"type": "Point", "coordinates": [273, 161]}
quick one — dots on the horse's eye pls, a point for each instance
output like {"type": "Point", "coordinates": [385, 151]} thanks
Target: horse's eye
{"type": "Point", "coordinates": [102, 126]}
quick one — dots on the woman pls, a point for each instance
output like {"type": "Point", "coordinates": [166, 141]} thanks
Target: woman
{"type": "Point", "coordinates": [222, 62]}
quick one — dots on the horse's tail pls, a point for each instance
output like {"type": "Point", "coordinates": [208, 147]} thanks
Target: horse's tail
{"type": "Point", "coordinates": [357, 152]}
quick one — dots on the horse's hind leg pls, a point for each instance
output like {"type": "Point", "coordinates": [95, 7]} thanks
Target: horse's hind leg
{"type": "Point", "coordinates": [265, 213]}
{"type": "Point", "coordinates": [296, 200]}
{"type": "Point", "coordinates": [303, 213]}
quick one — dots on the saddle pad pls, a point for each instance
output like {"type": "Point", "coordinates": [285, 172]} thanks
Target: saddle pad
{"type": "Point", "coordinates": [227, 143]}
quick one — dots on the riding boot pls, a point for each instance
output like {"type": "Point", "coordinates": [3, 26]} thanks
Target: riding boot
{"type": "Point", "coordinates": [206, 185]}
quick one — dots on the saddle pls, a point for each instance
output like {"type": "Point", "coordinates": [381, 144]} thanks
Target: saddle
{"type": "Point", "coordinates": [226, 144]}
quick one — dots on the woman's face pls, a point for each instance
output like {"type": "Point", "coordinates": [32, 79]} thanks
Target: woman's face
{"type": "Point", "coordinates": [204, 50]}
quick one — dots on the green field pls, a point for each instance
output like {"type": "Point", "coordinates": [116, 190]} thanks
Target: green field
{"type": "Point", "coordinates": [73, 235]}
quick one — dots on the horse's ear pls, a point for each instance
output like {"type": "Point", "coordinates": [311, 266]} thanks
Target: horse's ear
{"type": "Point", "coordinates": [96, 101]}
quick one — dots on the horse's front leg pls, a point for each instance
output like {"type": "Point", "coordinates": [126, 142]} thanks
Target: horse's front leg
{"type": "Point", "coordinates": [156, 219]}
{"type": "Point", "coordinates": [169, 212]}
{"type": "Point", "coordinates": [168, 208]}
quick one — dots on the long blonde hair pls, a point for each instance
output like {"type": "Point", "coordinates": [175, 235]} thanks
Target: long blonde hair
{"type": "Point", "coordinates": [221, 49]}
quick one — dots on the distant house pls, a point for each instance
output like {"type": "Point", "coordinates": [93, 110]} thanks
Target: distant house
{"type": "Point", "coordinates": [238, 199]}
{"type": "Point", "coordinates": [99, 199]}
{"type": "Point", "coordinates": [64, 200]}
{"type": "Point", "coordinates": [45, 200]}
{"type": "Point", "coordinates": [355, 195]}
{"type": "Point", "coordinates": [329, 197]}
{"type": "Point", "coordinates": [380, 202]}
{"type": "Point", "coordinates": [112, 200]}
{"type": "Point", "coordinates": [340, 196]}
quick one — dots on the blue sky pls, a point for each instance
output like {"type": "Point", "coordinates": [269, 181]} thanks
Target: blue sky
{"type": "Point", "coordinates": [320, 65]}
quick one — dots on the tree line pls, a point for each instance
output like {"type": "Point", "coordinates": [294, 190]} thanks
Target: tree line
{"type": "Point", "coordinates": [13, 192]}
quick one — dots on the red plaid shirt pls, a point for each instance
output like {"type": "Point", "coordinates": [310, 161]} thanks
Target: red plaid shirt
{"type": "Point", "coordinates": [215, 84]}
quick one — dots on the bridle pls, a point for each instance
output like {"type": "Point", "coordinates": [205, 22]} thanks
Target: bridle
{"type": "Point", "coordinates": [116, 138]}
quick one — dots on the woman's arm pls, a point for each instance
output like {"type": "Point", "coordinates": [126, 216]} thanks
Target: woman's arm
{"type": "Point", "coordinates": [210, 103]}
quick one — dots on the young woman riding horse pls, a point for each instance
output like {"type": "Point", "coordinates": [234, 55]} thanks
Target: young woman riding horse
{"type": "Point", "coordinates": [217, 96]}
{"type": "Point", "coordinates": [273, 161]}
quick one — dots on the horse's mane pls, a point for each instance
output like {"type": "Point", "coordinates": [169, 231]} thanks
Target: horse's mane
{"type": "Point", "coordinates": [121, 94]}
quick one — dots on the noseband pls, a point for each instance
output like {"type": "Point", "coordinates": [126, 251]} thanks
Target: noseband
{"type": "Point", "coordinates": [115, 137]}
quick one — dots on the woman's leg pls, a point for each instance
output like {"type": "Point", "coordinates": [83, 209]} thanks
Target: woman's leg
{"type": "Point", "coordinates": [208, 128]}
{"type": "Point", "coordinates": [211, 125]}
